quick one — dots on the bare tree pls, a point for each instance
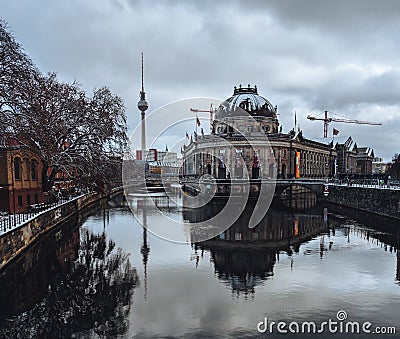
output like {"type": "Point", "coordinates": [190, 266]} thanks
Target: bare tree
{"type": "Point", "coordinates": [17, 73]}
{"type": "Point", "coordinates": [73, 133]}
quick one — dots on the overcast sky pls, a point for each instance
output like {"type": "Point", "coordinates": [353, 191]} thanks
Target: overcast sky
{"type": "Point", "coordinates": [304, 56]}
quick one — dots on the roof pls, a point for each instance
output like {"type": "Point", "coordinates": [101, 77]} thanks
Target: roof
{"type": "Point", "coordinates": [349, 144]}
{"type": "Point", "coordinates": [366, 151]}
{"type": "Point", "coordinates": [8, 141]}
{"type": "Point", "coordinates": [244, 101]}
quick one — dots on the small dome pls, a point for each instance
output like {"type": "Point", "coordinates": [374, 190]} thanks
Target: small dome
{"type": "Point", "coordinates": [143, 105]}
{"type": "Point", "coordinates": [246, 99]}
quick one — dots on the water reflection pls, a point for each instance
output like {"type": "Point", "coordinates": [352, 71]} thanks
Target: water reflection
{"type": "Point", "coordinates": [71, 282]}
{"type": "Point", "coordinates": [298, 197]}
{"type": "Point", "coordinates": [244, 257]}
{"type": "Point", "coordinates": [294, 266]}
{"type": "Point", "coordinates": [145, 250]}
{"type": "Point", "coordinates": [291, 266]}
{"type": "Point", "coordinates": [398, 267]}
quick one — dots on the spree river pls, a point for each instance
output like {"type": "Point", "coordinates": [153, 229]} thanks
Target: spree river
{"type": "Point", "coordinates": [103, 275]}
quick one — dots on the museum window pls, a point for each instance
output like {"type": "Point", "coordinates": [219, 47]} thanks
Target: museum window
{"type": "Point", "coordinates": [25, 169]}
{"type": "Point", "coordinates": [34, 169]}
{"type": "Point", "coordinates": [19, 200]}
{"type": "Point", "coordinates": [17, 168]}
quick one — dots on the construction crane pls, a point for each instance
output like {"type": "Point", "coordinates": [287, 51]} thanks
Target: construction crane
{"type": "Point", "coordinates": [327, 120]}
{"type": "Point", "coordinates": [211, 111]}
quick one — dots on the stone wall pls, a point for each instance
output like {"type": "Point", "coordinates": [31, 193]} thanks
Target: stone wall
{"type": "Point", "coordinates": [385, 202]}
{"type": "Point", "coordinates": [17, 240]}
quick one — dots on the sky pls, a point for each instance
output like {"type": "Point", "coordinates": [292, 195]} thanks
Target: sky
{"type": "Point", "coordinates": [304, 56]}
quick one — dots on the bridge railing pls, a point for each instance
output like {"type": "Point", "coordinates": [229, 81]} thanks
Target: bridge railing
{"type": "Point", "coordinates": [367, 183]}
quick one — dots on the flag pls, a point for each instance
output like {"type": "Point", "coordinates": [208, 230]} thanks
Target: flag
{"type": "Point", "coordinates": [221, 163]}
{"type": "Point", "coordinates": [202, 132]}
{"type": "Point", "coordinates": [297, 165]}
{"type": "Point", "coordinates": [295, 118]}
{"type": "Point", "coordinates": [256, 161]}
{"type": "Point", "coordinates": [187, 135]}
{"type": "Point", "coordinates": [198, 121]}
{"type": "Point", "coordinates": [335, 132]}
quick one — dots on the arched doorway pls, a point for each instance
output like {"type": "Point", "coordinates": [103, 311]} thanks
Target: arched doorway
{"type": "Point", "coordinates": [283, 173]}
{"type": "Point", "coordinates": [239, 172]}
{"type": "Point", "coordinates": [221, 173]}
{"type": "Point", "coordinates": [255, 172]}
{"type": "Point", "coordinates": [208, 169]}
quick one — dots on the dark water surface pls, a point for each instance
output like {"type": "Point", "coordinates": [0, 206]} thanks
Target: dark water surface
{"type": "Point", "coordinates": [103, 275]}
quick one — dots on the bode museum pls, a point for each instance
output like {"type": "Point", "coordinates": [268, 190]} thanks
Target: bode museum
{"type": "Point", "coordinates": [246, 141]}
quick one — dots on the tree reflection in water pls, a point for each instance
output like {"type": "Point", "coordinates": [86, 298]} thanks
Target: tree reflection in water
{"type": "Point", "coordinates": [90, 296]}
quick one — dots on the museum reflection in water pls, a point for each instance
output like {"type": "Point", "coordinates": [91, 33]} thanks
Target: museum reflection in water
{"type": "Point", "coordinates": [244, 257]}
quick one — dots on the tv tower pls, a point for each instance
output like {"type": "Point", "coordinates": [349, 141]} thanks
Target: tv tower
{"type": "Point", "coordinates": [143, 106]}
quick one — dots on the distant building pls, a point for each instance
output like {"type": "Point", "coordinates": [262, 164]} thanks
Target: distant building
{"type": "Point", "coordinates": [20, 176]}
{"type": "Point", "coordinates": [152, 165]}
{"type": "Point", "coordinates": [346, 157]}
{"type": "Point", "coordinates": [156, 155]}
{"type": "Point", "coordinates": [365, 157]}
{"type": "Point", "coordinates": [352, 159]}
{"type": "Point", "coordinates": [379, 166]}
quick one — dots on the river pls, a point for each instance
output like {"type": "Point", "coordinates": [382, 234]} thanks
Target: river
{"type": "Point", "coordinates": [103, 275]}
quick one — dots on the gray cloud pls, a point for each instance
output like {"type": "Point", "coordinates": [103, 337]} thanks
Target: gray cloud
{"type": "Point", "coordinates": [306, 56]}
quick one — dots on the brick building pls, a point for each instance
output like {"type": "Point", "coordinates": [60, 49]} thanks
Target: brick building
{"type": "Point", "coordinates": [365, 158]}
{"type": "Point", "coordinates": [352, 159]}
{"type": "Point", "coordinates": [20, 176]}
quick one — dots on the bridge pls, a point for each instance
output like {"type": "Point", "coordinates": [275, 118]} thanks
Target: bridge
{"type": "Point", "coordinates": [366, 195]}
{"type": "Point", "coordinates": [382, 198]}
{"type": "Point", "coordinates": [228, 186]}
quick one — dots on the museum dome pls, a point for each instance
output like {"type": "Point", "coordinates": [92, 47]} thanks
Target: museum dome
{"type": "Point", "coordinates": [246, 99]}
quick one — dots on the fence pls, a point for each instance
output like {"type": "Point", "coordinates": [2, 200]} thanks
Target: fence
{"type": "Point", "coordinates": [10, 221]}
{"type": "Point", "coordinates": [368, 183]}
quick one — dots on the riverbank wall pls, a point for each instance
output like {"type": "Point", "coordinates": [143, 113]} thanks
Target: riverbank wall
{"type": "Point", "coordinates": [379, 201]}
{"type": "Point", "coordinates": [17, 240]}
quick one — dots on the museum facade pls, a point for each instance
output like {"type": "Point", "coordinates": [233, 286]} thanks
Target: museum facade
{"type": "Point", "coordinates": [247, 142]}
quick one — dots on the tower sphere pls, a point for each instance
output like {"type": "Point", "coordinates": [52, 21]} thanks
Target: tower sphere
{"type": "Point", "coordinates": [143, 105]}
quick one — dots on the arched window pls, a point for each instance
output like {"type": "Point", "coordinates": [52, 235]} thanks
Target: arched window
{"type": "Point", "coordinates": [25, 169]}
{"type": "Point", "coordinates": [34, 169]}
{"type": "Point", "coordinates": [17, 168]}
{"type": "Point", "coordinates": [283, 172]}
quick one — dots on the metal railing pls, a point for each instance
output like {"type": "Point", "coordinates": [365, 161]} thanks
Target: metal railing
{"type": "Point", "coordinates": [11, 221]}
{"type": "Point", "coordinates": [367, 183]}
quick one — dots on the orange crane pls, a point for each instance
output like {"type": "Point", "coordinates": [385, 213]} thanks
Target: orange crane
{"type": "Point", "coordinates": [211, 111]}
{"type": "Point", "coordinates": [327, 120]}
